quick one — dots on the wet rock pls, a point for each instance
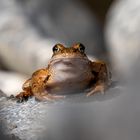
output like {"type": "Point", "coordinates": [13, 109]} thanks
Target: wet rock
{"type": "Point", "coordinates": [122, 36]}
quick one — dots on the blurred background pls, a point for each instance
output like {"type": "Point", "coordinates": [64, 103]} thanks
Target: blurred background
{"type": "Point", "coordinates": [30, 28]}
{"type": "Point", "coordinates": [110, 31]}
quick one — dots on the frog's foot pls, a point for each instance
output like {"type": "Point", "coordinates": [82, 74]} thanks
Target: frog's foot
{"type": "Point", "coordinates": [23, 96]}
{"type": "Point", "coordinates": [48, 97]}
{"type": "Point", "coordinates": [98, 88]}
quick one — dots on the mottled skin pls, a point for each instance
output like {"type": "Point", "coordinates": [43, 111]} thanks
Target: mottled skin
{"type": "Point", "coordinates": [69, 71]}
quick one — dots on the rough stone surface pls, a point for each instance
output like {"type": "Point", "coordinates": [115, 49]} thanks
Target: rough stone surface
{"type": "Point", "coordinates": [69, 118]}
{"type": "Point", "coordinates": [122, 35]}
{"type": "Point", "coordinates": [113, 116]}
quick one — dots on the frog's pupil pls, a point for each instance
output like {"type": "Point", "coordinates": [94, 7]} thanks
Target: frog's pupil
{"type": "Point", "coordinates": [55, 49]}
{"type": "Point", "coordinates": [81, 47]}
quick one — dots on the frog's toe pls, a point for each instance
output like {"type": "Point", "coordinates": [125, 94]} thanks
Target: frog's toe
{"type": "Point", "coordinates": [23, 96]}
{"type": "Point", "coordinates": [96, 89]}
{"type": "Point", "coordinates": [20, 100]}
{"type": "Point", "coordinates": [49, 97]}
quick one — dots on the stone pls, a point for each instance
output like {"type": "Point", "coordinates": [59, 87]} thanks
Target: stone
{"type": "Point", "coordinates": [122, 36]}
{"type": "Point", "coordinates": [73, 117]}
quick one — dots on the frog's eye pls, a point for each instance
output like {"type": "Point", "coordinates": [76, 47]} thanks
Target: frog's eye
{"type": "Point", "coordinates": [81, 48]}
{"type": "Point", "coordinates": [55, 48]}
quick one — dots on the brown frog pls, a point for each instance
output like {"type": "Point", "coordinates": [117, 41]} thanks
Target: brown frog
{"type": "Point", "coordinates": [69, 71]}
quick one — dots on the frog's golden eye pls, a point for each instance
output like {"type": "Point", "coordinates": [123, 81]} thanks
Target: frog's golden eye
{"type": "Point", "coordinates": [56, 48]}
{"type": "Point", "coordinates": [81, 48]}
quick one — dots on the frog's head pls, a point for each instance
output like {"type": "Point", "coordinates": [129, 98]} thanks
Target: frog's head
{"type": "Point", "coordinates": [70, 63]}
{"type": "Point", "coordinates": [76, 51]}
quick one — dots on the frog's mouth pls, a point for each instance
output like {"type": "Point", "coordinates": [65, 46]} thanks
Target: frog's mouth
{"type": "Point", "coordinates": [68, 59]}
{"type": "Point", "coordinates": [71, 65]}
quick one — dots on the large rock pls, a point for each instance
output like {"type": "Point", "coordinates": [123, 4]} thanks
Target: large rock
{"type": "Point", "coordinates": [75, 117]}
{"type": "Point", "coordinates": [122, 35]}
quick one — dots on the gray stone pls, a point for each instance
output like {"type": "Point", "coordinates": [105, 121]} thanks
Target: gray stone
{"type": "Point", "coordinates": [122, 36]}
{"type": "Point", "coordinates": [73, 118]}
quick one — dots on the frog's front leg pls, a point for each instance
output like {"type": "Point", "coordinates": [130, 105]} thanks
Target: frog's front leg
{"type": "Point", "coordinates": [39, 86]}
{"type": "Point", "coordinates": [102, 77]}
{"type": "Point", "coordinates": [26, 93]}
{"type": "Point", "coordinates": [36, 86]}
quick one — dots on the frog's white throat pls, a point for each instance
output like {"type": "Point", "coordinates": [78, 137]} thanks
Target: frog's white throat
{"type": "Point", "coordinates": [70, 69]}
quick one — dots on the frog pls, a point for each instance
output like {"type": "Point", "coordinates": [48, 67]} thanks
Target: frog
{"type": "Point", "coordinates": [69, 71]}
